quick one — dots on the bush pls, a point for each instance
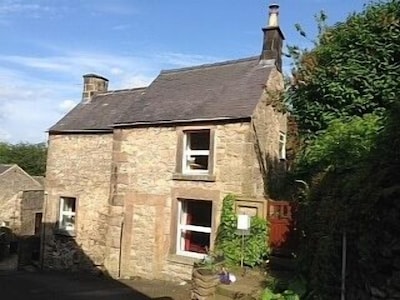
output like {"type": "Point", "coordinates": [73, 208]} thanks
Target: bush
{"type": "Point", "coordinates": [229, 242]}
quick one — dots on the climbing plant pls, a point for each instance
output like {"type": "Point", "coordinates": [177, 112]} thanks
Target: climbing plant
{"type": "Point", "coordinates": [229, 242]}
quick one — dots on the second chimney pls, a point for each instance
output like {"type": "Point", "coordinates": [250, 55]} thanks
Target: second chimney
{"type": "Point", "coordinates": [273, 38]}
{"type": "Point", "coordinates": [92, 85]}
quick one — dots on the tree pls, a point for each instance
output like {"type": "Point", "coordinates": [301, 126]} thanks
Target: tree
{"type": "Point", "coordinates": [346, 102]}
{"type": "Point", "coordinates": [30, 157]}
{"type": "Point", "coordinates": [352, 71]}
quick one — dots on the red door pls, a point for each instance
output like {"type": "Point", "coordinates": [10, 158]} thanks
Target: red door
{"type": "Point", "coordinates": [280, 216]}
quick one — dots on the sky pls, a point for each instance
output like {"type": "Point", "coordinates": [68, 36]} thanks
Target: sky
{"type": "Point", "coordinates": [47, 45]}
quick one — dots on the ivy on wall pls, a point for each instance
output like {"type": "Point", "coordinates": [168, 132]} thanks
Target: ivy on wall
{"type": "Point", "coordinates": [229, 242]}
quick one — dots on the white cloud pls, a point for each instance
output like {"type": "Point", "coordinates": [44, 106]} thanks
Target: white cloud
{"type": "Point", "coordinates": [13, 7]}
{"type": "Point", "coordinates": [4, 135]}
{"type": "Point", "coordinates": [67, 105]}
{"type": "Point", "coordinates": [37, 91]}
{"type": "Point", "coordinates": [121, 27]}
{"type": "Point", "coordinates": [112, 7]}
{"type": "Point", "coordinates": [184, 60]}
{"type": "Point", "coordinates": [116, 71]}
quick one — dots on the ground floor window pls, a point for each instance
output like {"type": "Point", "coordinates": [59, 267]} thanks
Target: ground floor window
{"type": "Point", "coordinates": [194, 227]}
{"type": "Point", "coordinates": [67, 213]}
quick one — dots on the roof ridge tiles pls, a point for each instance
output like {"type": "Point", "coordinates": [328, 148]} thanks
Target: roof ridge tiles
{"type": "Point", "coordinates": [210, 65]}
{"type": "Point", "coordinates": [122, 91]}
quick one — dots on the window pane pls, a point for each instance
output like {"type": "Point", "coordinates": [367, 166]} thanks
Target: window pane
{"type": "Point", "coordinates": [67, 222]}
{"type": "Point", "coordinates": [197, 162]}
{"type": "Point", "coordinates": [198, 213]}
{"type": "Point", "coordinates": [68, 204]}
{"type": "Point", "coordinates": [199, 140]}
{"type": "Point", "coordinates": [198, 242]}
{"type": "Point", "coordinates": [195, 213]}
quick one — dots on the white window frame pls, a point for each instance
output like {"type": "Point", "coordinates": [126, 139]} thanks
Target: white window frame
{"type": "Point", "coordinates": [187, 153]}
{"type": "Point", "coordinates": [282, 141]}
{"type": "Point", "coordinates": [181, 228]}
{"type": "Point", "coordinates": [64, 213]}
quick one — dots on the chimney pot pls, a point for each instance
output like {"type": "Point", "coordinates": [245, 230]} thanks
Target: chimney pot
{"type": "Point", "coordinates": [92, 85]}
{"type": "Point", "coordinates": [273, 39]}
{"type": "Point", "coordinates": [273, 20]}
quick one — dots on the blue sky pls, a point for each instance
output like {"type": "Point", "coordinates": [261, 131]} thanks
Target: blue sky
{"type": "Point", "coordinates": [47, 45]}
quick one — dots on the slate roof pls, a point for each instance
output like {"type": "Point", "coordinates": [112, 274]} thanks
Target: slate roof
{"type": "Point", "coordinates": [4, 168]}
{"type": "Point", "coordinates": [227, 90]}
{"type": "Point", "coordinates": [98, 114]}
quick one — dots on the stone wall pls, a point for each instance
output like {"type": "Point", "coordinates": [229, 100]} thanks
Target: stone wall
{"type": "Point", "coordinates": [267, 122]}
{"type": "Point", "coordinates": [145, 190]}
{"type": "Point", "coordinates": [10, 212]}
{"type": "Point", "coordinates": [127, 190]}
{"type": "Point", "coordinates": [31, 203]}
{"type": "Point", "coordinates": [12, 183]}
{"type": "Point", "coordinates": [78, 166]}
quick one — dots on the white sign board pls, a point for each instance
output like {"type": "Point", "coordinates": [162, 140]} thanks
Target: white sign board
{"type": "Point", "coordinates": [243, 222]}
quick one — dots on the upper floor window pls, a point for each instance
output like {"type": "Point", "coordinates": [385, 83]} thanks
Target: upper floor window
{"type": "Point", "coordinates": [282, 145]}
{"type": "Point", "coordinates": [196, 153]}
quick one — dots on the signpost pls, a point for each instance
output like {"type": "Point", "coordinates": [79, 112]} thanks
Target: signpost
{"type": "Point", "coordinates": [243, 228]}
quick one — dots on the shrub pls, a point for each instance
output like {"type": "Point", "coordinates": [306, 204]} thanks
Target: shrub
{"type": "Point", "coordinates": [229, 242]}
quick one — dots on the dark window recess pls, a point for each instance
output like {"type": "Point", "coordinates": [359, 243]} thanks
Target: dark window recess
{"type": "Point", "coordinates": [199, 140]}
{"type": "Point", "coordinates": [198, 214]}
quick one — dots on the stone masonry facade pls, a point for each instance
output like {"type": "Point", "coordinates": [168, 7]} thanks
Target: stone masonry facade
{"type": "Point", "coordinates": [79, 166]}
{"type": "Point", "coordinates": [145, 193]}
{"type": "Point", "coordinates": [127, 189]}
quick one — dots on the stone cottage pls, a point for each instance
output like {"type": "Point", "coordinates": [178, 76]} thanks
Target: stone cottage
{"type": "Point", "coordinates": [21, 200]}
{"type": "Point", "coordinates": [135, 178]}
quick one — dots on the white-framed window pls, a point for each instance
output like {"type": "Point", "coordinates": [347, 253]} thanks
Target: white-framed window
{"type": "Point", "coordinates": [282, 145]}
{"type": "Point", "coordinates": [196, 152]}
{"type": "Point", "coordinates": [67, 213]}
{"type": "Point", "coordinates": [194, 227]}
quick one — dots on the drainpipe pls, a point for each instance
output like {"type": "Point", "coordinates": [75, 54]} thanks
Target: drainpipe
{"type": "Point", "coordinates": [120, 249]}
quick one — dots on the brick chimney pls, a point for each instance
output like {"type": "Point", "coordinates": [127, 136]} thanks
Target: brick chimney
{"type": "Point", "coordinates": [273, 38]}
{"type": "Point", "coordinates": [92, 85]}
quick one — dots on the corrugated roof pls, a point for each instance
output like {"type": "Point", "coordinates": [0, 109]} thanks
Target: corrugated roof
{"type": "Point", "coordinates": [99, 113]}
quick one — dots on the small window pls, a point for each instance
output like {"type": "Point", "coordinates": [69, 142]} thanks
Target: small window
{"type": "Point", "coordinates": [282, 145]}
{"type": "Point", "coordinates": [194, 228]}
{"type": "Point", "coordinates": [38, 223]}
{"type": "Point", "coordinates": [67, 213]}
{"type": "Point", "coordinates": [196, 152]}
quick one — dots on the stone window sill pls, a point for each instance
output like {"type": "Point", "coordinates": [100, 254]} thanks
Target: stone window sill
{"type": "Point", "coordinates": [190, 177]}
{"type": "Point", "coordinates": [183, 260]}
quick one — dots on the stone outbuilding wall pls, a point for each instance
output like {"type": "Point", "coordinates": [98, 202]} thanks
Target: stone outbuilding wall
{"type": "Point", "coordinates": [13, 183]}
{"type": "Point", "coordinates": [31, 208]}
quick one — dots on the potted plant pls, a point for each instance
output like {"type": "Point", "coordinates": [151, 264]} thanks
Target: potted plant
{"type": "Point", "coordinates": [205, 277]}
